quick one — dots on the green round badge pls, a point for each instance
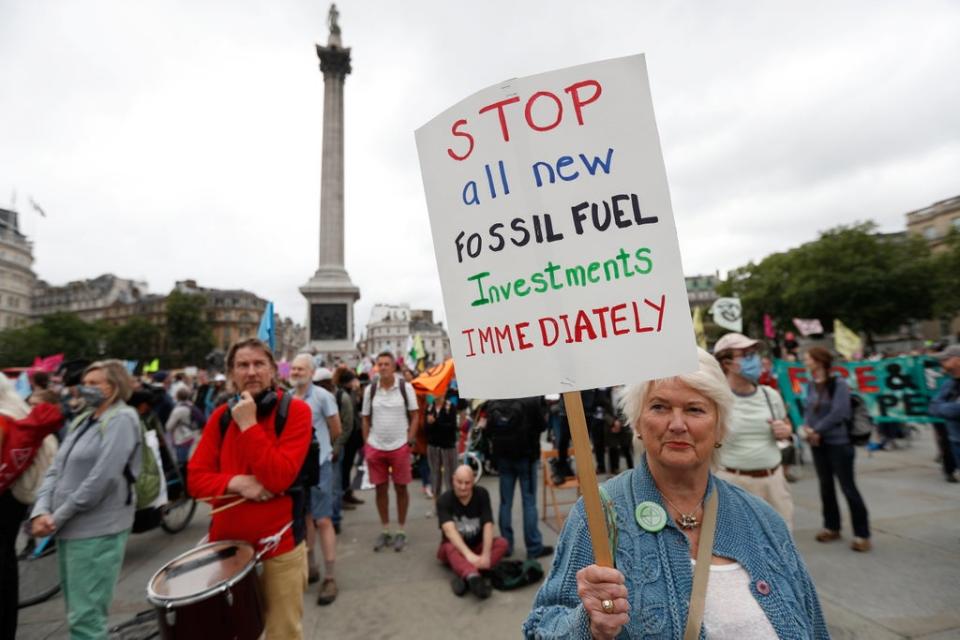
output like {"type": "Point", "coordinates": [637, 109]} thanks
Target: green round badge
{"type": "Point", "coordinates": [651, 516]}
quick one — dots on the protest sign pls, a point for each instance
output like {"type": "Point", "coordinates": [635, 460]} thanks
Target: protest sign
{"type": "Point", "coordinates": [846, 341]}
{"type": "Point", "coordinates": [554, 235]}
{"type": "Point", "coordinates": [728, 313]}
{"type": "Point", "coordinates": [893, 389]}
{"type": "Point", "coordinates": [556, 244]}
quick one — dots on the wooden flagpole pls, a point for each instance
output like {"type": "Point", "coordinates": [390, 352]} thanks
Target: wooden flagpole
{"type": "Point", "coordinates": [587, 477]}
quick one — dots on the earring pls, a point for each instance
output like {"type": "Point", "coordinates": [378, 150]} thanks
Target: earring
{"type": "Point", "coordinates": [717, 445]}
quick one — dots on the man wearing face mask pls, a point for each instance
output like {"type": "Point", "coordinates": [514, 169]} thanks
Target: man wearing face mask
{"type": "Point", "coordinates": [750, 457]}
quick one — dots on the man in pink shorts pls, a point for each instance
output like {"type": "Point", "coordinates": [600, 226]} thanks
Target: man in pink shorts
{"type": "Point", "coordinates": [389, 424]}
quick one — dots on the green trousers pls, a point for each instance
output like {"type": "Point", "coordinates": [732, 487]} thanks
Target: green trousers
{"type": "Point", "coordinates": [88, 573]}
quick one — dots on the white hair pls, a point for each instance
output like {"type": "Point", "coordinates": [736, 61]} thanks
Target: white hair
{"type": "Point", "coordinates": [708, 380]}
{"type": "Point", "coordinates": [309, 358]}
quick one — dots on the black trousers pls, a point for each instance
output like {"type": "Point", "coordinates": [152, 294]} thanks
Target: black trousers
{"type": "Point", "coordinates": [598, 430]}
{"type": "Point", "coordinates": [946, 451]}
{"type": "Point", "coordinates": [620, 444]}
{"type": "Point", "coordinates": [836, 461]}
{"type": "Point", "coordinates": [354, 444]}
{"type": "Point", "coordinates": [12, 513]}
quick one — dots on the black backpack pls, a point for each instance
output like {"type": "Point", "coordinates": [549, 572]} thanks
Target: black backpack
{"type": "Point", "coordinates": [309, 475]}
{"type": "Point", "coordinates": [513, 574]}
{"type": "Point", "coordinates": [507, 428]}
{"type": "Point", "coordinates": [859, 424]}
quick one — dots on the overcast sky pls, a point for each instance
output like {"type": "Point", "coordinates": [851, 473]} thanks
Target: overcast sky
{"type": "Point", "coordinates": [172, 140]}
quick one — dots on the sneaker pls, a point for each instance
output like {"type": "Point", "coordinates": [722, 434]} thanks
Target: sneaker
{"type": "Point", "coordinates": [827, 535]}
{"type": "Point", "coordinates": [478, 587]}
{"type": "Point", "coordinates": [352, 499]}
{"type": "Point", "coordinates": [328, 592]}
{"type": "Point", "coordinates": [545, 550]}
{"type": "Point", "coordinates": [459, 586]}
{"type": "Point", "coordinates": [428, 492]}
{"type": "Point", "coordinates": [861, 544]}
{"type": "Point", "coordinates": [399, 541]}
{"type": "Point", "coordinates": [952, 479]}
{"type": "Point", "coordinates": [383, 540]}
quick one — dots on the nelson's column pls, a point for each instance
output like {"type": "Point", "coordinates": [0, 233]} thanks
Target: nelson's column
{"type": "Point", "coordinates": [330, 294]}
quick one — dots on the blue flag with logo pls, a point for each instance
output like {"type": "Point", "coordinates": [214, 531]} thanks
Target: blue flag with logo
{"type": "Point", "coordinates": [267, 331]}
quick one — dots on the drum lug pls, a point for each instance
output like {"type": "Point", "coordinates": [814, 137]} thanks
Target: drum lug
{"type": "Point", "coordinates": [229, 596]}
{"type": "Point", "coordinates": [170, 615]}
{"type": "Point", "coordinates": [259, 567]}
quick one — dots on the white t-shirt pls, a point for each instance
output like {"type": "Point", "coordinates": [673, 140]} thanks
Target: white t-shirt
{"type": "Point", "coordinates": [391, 422]}
{"type": "Point", "coordinates": [731, 612]}
{"type": "Point", "coordinates": [750, 445]}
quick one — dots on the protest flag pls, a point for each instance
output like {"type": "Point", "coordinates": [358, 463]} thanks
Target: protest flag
{"type": "Point", "coordinates": [267, 330]}
{"type": "Point", "coordinates": [435, 380]}
{"type": "Point", "coordinates": [698, 327]}
{"type": "Point", "coordinates": [808, 326]}
{"type": "Point", "coordinates": [728, 313]}
{"type": "Point", "coordinates": [152, 367]}
{"type": "Point", "coordinates": [846, 341]}
{"type": "Point", "coordinates": [768, 330]}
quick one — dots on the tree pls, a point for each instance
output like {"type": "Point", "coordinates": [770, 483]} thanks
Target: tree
{"type": "Point", "coordinates": [138, 339]}
{"type": "Point", "coordinates": [189, 337]}
{"type": "Point", "coordinates": [872, 282]}
{"type": "Point", "coordinates": [56, 333]}
{"type": "Point", "coordinates": [945, 271]}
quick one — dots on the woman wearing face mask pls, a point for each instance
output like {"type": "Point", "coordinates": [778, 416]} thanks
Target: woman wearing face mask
{"type": "Point", "coordinates": [750, 457]}
{"type": "Point", "coordinates": [825, 414]}
{"type": "Point", "coordinates": [86, 499]}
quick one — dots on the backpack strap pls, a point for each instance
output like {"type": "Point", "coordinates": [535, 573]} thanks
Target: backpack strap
{"type": "Point", "coordinates": [283, 410]}
{"type": "Point", "coordinates": [373, 391]}
{"type": "Point", "coordinates": [769, 404]}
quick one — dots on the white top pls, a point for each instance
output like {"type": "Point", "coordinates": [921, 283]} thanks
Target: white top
{"type": "Point", "coordinates": [731, 611]}
{"type": "Point", "coordinates": [391, 422]}
{"type": "Point", "coordinates": [750, 445]}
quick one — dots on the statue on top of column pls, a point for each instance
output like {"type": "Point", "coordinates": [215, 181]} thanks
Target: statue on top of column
{"type": "Point", "coordinates": [332, 20]}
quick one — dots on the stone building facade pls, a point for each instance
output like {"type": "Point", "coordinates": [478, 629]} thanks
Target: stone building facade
{"type": "Point", "coordinates": [702, 290]}
{"type": "Point", "coordinates": [89, 299]}
{"type": "Point", "coordinates": [935, 222]}
{"type": "Point", "coordinates": [16, 272]}
{"type": "Point", "coordinates": [391, 325]}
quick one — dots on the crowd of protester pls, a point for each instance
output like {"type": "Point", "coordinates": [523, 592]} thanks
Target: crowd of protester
{"type": "Point", "coordinates": [82, 427]}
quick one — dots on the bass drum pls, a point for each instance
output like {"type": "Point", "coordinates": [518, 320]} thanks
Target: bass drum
{"type": "Point", "coordinates": [211, 592]}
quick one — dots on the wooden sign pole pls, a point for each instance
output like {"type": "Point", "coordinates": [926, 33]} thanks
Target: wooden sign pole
{"type": "Point", "coordinates": [587, 476]}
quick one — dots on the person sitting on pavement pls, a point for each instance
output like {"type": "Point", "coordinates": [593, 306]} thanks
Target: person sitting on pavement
{"type": "Point", "coordinates": [750, 457]}
{"type": "Point", "coordinates": [468, 545]}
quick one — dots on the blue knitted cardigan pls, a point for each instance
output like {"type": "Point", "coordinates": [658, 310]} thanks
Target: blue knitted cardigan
{"type": "Point", "coordinates": [658, 572]}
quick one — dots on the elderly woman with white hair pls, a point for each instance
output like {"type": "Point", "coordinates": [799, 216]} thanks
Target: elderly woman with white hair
{"type": "Point", "coordinates": [695, 556]}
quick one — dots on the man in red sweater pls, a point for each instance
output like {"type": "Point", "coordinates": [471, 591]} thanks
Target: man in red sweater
{"type": "Point", "coordinates": [252, 462]}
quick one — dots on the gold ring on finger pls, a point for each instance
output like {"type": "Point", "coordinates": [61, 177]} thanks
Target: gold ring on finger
{"type": "Point", "coordinates": [607, 606]}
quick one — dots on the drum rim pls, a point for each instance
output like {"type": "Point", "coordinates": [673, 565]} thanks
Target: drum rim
{"type": "Point", "coordinates": [155, 598]}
